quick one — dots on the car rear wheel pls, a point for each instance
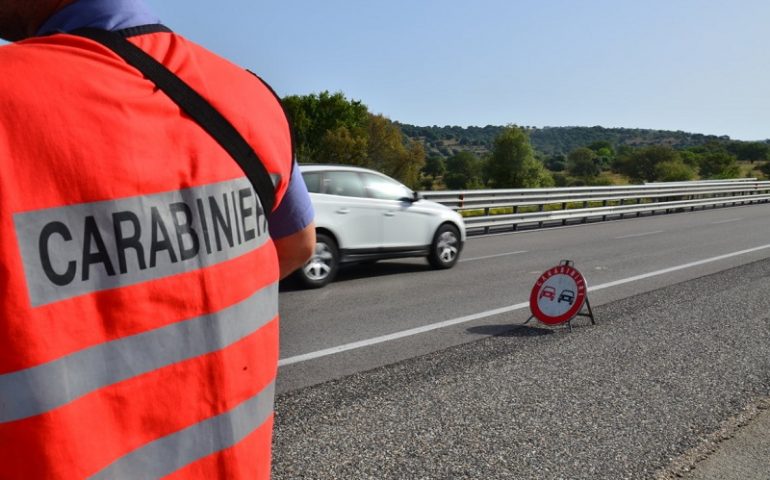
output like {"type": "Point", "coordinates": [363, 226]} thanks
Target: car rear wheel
{"type": "Point", "coordinates": [445, 249]}
{"type": "Point", "coordinates": [322, 267]}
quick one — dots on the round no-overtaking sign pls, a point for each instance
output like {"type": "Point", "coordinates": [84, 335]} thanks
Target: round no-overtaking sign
{"type": "Point", "coordinates": [558, 295]}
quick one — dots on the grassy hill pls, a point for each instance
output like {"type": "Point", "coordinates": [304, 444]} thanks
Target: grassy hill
{"type": "Point", "coordinates": [549, 141]}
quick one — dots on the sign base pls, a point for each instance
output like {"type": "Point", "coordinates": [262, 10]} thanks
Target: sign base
{"type": "Point", "coordinates": [588, 314]}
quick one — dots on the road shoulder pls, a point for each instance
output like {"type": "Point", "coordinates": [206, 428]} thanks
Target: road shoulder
{"type": "Point", "coordinates": [739, 450]}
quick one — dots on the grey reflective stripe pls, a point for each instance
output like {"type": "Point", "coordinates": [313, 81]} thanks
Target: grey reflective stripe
{"type": "Point", "coordinates": [169, 454]}
{"type": "Point", "coordinates": [40, 389]}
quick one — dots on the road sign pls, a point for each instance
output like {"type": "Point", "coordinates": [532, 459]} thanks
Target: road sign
{"type": "Point", "coordinates": [558, 295]}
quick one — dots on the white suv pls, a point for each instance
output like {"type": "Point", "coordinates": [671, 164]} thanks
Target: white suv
{"type": "Point", "coordinates": [363, 215]}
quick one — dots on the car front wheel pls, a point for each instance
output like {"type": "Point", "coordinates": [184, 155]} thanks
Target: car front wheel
{"type": "Point", "coordinates": [445, 249]}
{"type": "Point", "coordinates": [322, 267]}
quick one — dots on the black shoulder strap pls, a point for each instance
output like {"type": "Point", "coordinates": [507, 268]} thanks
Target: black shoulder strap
{"type": "Point", "coordinates": [195, 106]}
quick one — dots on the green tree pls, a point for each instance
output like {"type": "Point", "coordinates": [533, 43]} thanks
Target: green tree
{"type": "Point", "coordinates": [674, 171]}
{"type": "Point", "coordinates": [753, 151]}
{"type": "Point", "coordinates": [582, 163]}
{"type": "Point", "coordinates": [342, 147]}
{"type": "Point", "coordinates": [719, 164]}
{"type": "Point", "coordinates": [513, 164]}
{"type": "Point", "coordinates": [556, 163]}
{"type": "Point", "coordinates": [312, 116]}
{"type": "Point", "coordinates": [560, 179]}
{"type": "Point", "coordinates": [434, 166]}
{"type": "Point", "coordinates": [385, 144]}
{"type": "Point", "coordinates": [387, 153]}
{"type": "Point", "coordinates": [605, 154]}
{"type": "Point", "coordinates": [640, 164]}
{"type": "Point", "coordinates": [690, 158]}
{"type": "Point", "coordinates": [602, 147]}
{"type": "Point", "coordinates": [409, 171]}
{"type": "Point", "coordinates": [329, 128]}
{"type": "Point", "coordinates": [463, 171]}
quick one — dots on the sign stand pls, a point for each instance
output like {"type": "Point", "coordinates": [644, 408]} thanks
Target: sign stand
{"type": "Point", "coordinates": [559, 296]}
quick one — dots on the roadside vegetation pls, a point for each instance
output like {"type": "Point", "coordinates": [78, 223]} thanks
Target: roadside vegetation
{"type": "Point", "coordinates": [329, 128]}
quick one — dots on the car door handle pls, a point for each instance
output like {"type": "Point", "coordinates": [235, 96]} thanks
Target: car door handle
{"type": "Point", "coordinates": [343, 211]}
{"type": "Point", "coordinates": [390, 214]}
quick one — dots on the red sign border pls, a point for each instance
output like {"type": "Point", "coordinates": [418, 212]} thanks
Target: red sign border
{"type": "Point", "coordinates": [580, 295]}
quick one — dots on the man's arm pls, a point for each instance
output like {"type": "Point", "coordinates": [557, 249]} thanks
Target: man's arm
{"type": "Point", "coordinates": [295, 249]}
{"type": "Point", "coordinates": [292, 226]}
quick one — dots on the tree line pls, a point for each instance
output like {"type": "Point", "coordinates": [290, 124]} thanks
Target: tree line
{"type": "Point", "coordinates": [548, 141]}
{"type": "Point", "coordinates": [329, 128]}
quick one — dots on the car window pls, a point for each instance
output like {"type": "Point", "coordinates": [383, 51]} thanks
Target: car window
{"type": "Point", "coordinates": [347, 184]}
{"type": "Point", "coordinates": [384, 188]}
{"type": "Point", "coordinates": [313, 181]}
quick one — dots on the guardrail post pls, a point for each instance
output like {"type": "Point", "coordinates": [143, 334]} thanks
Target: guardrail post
{"type": "Point", "coordinates": [604, 217]}
{"type": "Point", "coordinates": [564, 207]}
{"type": "Point", "coordinates": [584, 219]}
{"type": "Point", "coordinates": [515, 211]}
{"type": "Point", "coordinates": [540, 208]}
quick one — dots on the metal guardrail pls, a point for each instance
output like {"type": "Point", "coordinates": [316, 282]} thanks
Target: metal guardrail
{"type": "Point", "coordinates": [488, 211]}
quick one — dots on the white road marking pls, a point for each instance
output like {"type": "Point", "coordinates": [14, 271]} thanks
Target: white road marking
{"type": "Point", "coordinates": [497, 311]}
{"type": "Point", "coordinates": [727, 221]}
{"type": "Point", "coordinates": [676, 268]}
{"type": "Point", "coordinates": [639, 235]}
{"type": "Point", "coordinates": [397, 335]}
{"type": "Point", "coordinates": [492, 256]}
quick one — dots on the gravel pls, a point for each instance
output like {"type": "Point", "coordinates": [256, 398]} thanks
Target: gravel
{"type": "Point", "coordinates": [624, 399]}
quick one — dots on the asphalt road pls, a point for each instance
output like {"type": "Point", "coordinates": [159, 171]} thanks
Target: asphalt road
{"type": "Point", "coordinates": [379, 314]}
{"type": "Point", "coordinates": [662, 370]}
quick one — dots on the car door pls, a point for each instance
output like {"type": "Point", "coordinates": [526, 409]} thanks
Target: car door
{"type": "Point", "coordinates": [343, 207]}
{"type": "Point", "coordinates": [405, 224]}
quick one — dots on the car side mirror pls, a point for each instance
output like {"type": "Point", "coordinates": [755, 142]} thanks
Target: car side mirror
{"type": "Point", "coordinates": [415, 196]}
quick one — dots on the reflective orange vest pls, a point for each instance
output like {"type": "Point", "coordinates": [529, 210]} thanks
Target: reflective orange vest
{"type": "Point", "coordinates": [139, 317]}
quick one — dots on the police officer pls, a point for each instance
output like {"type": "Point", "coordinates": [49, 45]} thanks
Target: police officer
{"type": "Point", "coordinates": [139, 261]}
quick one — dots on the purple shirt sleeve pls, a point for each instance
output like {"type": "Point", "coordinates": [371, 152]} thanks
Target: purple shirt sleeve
{"type": "Point", "coordinates": [295, 211]}
{"type": "Point", "coordinates": [106, 14]}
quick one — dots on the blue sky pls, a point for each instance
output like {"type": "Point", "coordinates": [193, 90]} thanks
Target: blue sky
{"type": "Point", "coordinates": [694, 65]}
